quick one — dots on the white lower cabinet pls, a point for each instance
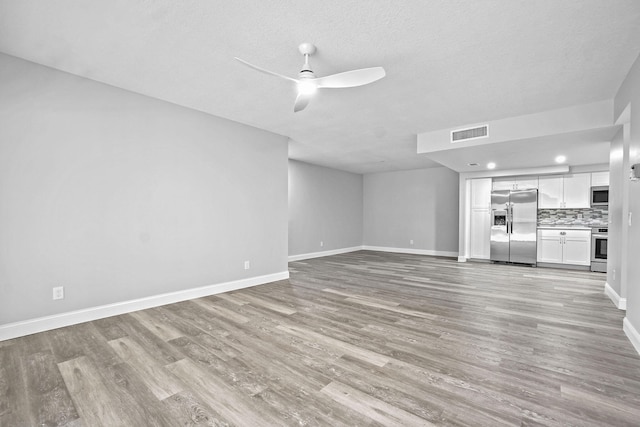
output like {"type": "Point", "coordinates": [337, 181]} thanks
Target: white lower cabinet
{"type": "Point", "coordinates": [564, 246]}
{"type": "Point", "coordinates": [480, 234]}
{"type": "Point", "coordinates": [549, 247]}
{"type": "Point", "coordinates": [480, 223]}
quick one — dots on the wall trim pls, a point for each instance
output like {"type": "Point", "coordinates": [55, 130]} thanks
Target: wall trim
{"type": "Point", "coordinates": [632, 333]}
{"type": "Point", "coordinates": [376, 248]}
{"type": "Point", "coordinates": [411, 251]}
{"type": "Point", "coordinates": [324, 253]}
{"type": "Point", "coordinates": [462, 259]}
{"type": "Point", "coordinates": [41, 324]}
{"type": "Point", "coordinates": [619, 302]}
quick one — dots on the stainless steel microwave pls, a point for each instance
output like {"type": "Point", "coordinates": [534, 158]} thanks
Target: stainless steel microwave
{"type": "Point", "coordinates": [600, 196]}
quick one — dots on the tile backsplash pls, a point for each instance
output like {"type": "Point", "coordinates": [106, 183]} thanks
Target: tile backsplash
{"type": "Point", "coordinates": [593, 216]}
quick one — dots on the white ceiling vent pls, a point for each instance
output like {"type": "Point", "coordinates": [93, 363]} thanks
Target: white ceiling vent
{"type": "Point", "coordinates": [471, 133]}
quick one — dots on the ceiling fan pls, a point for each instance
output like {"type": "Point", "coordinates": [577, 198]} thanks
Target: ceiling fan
{"type": "Point", "coordinates": [307, 83]}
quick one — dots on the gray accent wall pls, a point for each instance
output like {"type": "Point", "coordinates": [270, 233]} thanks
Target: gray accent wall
{"type": "Point", "coordinates": [419, 205]}
{"type": "Point", "coordinates": [118, 196]}
{"type": "Point", "coordinates": [325, 205]}
{"type": "Point", "coordinates": [627, 101]}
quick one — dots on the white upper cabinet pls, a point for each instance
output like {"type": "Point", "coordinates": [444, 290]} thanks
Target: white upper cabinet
{"type": "Point", "coordinates": [515, 183]}
{"type": "Point", "coordinates": [577, 188]}
{"type": "Point", "coordinates": [550, 192]}
{"type": "Point", "coordinates": [599, 179]}
{"type": "Point", "coordinates": [564, 191]}
{"type": "Point", "coordinates": [481, 193]}
{"type": "Point", "coordinates": [526, 182]}
{"type": "Point", "coordinates": [503, 184]}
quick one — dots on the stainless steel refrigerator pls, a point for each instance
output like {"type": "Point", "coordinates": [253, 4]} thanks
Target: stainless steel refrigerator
{"type": "Point", "coordinates": [514, 218]}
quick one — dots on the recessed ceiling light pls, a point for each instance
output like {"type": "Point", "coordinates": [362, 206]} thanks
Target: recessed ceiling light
{"type": "Point", "coordinates": [472, 164]}
{"type": "Point", "coordinates": [561, 159]}
{"type": "Point", "coordinates": [491, 165]}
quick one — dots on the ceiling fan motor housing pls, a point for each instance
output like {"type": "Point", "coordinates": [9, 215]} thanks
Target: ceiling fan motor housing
{"type": "Point", "coordinates": [306, 74]}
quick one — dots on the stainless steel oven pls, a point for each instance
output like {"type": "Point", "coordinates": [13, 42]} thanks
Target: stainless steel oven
{"type": "Point", "coordinates": [599, 237]}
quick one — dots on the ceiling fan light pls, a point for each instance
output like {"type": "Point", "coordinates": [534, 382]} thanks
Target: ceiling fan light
{"type": "Point", "coordinates": [307, 87]}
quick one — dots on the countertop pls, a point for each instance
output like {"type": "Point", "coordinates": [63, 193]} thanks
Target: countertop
{"type": "Point", "coordinates": [570, 226]}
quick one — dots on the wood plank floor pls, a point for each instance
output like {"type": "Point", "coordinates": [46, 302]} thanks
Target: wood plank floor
{"type": "Point", "coordinates": [360, 339]}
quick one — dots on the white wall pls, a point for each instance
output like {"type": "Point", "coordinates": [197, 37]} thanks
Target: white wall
{"type": "Point", "coordinates": [419, 205]}
{"type": "Point", "coordinates": [117, 196]}
{"type": "Point", "coordinates": [618, 209]}
{"type": "Point", "coordinates": [547, 123]}
{"type": "Point", "coordinates": [629, 96]}
{"type": "Point", "coordinates": [325, 205]}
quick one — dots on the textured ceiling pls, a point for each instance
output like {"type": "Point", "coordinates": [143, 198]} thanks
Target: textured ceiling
{"type": "Point", "coordinates": [448, 63]}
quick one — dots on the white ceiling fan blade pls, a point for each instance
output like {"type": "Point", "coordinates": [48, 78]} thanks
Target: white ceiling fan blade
{"type": "Point", "coordinates": [302, 100]}
{"type": "Point", "coordinates": [351, 78]}
{"type": "Point", "coordinates": [255, 67]}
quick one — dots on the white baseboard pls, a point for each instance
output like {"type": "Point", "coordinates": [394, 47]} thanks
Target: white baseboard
{"type": "Point", "coordinates": [411, 251]}
{"type": "Point", "coordinates": [40, 324]}
{"type": "Point", "coordinates": [324, 253]}
{"type": "Point", "coordinates": [462, 259]}
{"type": "Point", "coordinates": [632, 334]}
{"type": "Point", "coordinates": [374, 248]}
{"type": "Point", "coordinates": [619, 302]}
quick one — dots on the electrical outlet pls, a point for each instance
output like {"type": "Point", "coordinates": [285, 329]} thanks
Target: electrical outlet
{"type": "Point", "coordinates": [58, 292]}
{"type": "Point", "coordinates": [614, 274]}
{"type": "Point", "coordinates": [411, 242]}
{"type": "Point", "coordinates": [321, 243]}
{"type": "Point", "coordinates": [247, 265]}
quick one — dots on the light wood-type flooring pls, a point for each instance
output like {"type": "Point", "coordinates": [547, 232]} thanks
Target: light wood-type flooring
{"type": "Point", "coordinates": [360, 339]}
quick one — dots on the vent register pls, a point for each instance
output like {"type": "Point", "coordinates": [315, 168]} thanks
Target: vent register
{"type": "Point", "coordinates": [471, 133]}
